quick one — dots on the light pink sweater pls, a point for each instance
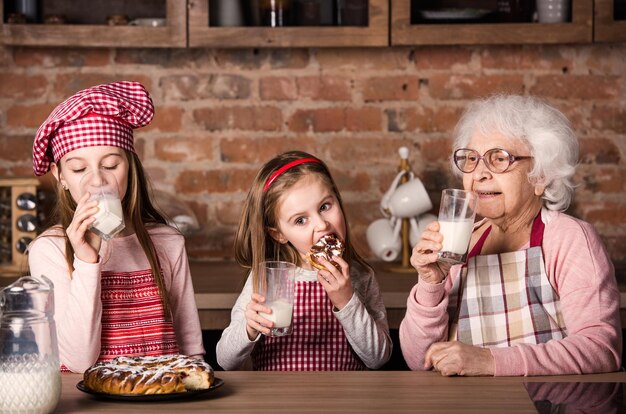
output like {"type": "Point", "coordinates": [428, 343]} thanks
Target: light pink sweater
{"type": "Point", "coordinates": [77, 304]}
{"type": "Point", "coordinates": [583, 276]}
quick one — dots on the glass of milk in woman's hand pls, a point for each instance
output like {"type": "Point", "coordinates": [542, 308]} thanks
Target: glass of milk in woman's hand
{"type": "Point", "coordinates": [277, 286]}
{"type": "Point", "coordinates": [110, 216]}
{"type": "Point", "coordinates": [456, 222]}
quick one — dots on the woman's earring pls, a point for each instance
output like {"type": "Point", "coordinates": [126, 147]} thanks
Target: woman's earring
{"type": "Point", "coordinates": [64, 187]}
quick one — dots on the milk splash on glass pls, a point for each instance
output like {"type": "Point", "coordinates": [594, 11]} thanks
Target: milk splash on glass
{"type": "Point", "coordinates": [277, 285]}
{"type": "Point", "coordinates": [456, 221]}
{"type": "Point", "coordinates": [109, 220]}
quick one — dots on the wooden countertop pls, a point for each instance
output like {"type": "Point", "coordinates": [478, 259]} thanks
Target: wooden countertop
{"type": "Point", "coordinates": [357, 392]}
{"type": "Point", "coordinates": [217, 285]}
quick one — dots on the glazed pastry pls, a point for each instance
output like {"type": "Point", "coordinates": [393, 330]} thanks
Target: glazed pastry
{"type": "Point", "coordinates": [327, 247]}
{"type": "Point", "coordinates": [149, 375]}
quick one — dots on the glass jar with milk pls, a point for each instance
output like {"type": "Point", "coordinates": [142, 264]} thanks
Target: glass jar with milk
{"type": "Point", "coordinates": [30, 380]}
{"type": "Point", "coordinates": [456, 222]}
{"type": "Point", "coordinates": [103, 187]}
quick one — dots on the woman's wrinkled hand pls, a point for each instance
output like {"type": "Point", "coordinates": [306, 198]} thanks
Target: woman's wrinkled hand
{"type": "Point", "coordinates": [255, 323]}
{"type": "Point", "coordinates": [457, 358]}
{"type": "Point", "coordinates": [86, 244]}
{"type": "Point", "coordinates": [424, 256]}
{"type": "Point", "coordinates": [336, 282]}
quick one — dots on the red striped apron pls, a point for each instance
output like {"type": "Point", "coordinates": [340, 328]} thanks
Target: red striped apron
{"type": "Point", "coordinates": [133, 321]}
{"type": "Point", "coordinates": [317, 343]}
{"type": "Point", "coordinates": [500, 300]}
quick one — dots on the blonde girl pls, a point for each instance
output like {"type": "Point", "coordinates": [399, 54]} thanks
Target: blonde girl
{"type": "Point", "coordinates": [339, 319]}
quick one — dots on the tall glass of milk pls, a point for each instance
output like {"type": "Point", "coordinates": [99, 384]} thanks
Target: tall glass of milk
{"type": "Point", "coordinates": [456, 221]}
{"type": "Point", "coordinates": [277, 284]}
{"type": "Point", "coordinates": [104, 188]}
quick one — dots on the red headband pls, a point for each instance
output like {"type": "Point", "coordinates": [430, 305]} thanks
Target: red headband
{"type": "Point", "coordinates": [285, 167]}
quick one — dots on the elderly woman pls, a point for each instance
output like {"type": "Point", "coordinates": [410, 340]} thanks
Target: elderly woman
{"type": "Point", "coordinates": [537, 294]}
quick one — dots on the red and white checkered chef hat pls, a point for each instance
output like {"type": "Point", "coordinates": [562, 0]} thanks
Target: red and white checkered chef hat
{"type": "Point", "coordinates": [100, 115]}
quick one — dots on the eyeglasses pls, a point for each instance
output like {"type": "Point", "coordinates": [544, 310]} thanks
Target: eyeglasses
{"type": "Point", "coordinates": [497, 160]}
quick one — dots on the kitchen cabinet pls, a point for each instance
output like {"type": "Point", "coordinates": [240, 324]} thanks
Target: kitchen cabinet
{"type": "Point", "coordinates": [483, 31]}
{"type": "Point", "coordinates": [389, 23]}
{"type": "Point", "coordinates": [86, 24]}
{"type": "Point", "coordinates": [375, 33]}
{"type": "Point", "coordinates": [609, 24]}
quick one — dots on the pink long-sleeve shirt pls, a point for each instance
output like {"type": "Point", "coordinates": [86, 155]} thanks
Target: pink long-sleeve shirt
{"type": "Point", "coordinates": [580, 272]}
{"type": "Point", "coordinates": [77, 304]}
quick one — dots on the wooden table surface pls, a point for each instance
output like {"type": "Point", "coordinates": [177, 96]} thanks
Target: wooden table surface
{"type": "Point", "coordinates": [377, 392]}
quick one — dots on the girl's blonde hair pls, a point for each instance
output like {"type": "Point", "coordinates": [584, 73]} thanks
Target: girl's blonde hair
{"type": "Point", "coordinates": [140, 210]}
{"type": "Point", "coordinates": [253, 242]}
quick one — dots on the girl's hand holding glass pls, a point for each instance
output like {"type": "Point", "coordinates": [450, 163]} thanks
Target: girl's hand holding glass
{"type": "Point", "coordinates": [336, 283]}
{"type": "Point", "coordinates": [255, 323]}
{"type": "Point", "coordinates": [425, 255]}
{"type": "Point", "coordinates": [86, 244]}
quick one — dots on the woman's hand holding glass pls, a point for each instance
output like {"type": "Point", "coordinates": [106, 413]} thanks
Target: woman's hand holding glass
{"type": "Point", "coordinates": [255, 323]}
{"type": "Point", "coordinates": [425, 255]}
{"type": "Point", "coordinates": [336, 282]}
{"type": "Point", "coordinates": [86, 245]}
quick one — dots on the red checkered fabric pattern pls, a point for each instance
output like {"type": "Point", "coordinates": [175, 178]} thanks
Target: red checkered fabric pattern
{"type": "Point", "coordinates": [317, 343]}
{"type": "Point", "coordinates": [101, 115]}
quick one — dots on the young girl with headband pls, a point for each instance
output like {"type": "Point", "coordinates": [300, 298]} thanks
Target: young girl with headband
{"type": "Point", "coordinates": [131, 295]}
{"type": "Point", "coordinates": [339, 319]}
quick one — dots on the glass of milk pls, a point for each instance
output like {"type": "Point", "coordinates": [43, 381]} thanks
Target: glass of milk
{"type": "Point", "coordinates": [277, 285]}
{"type": "Point", "coordinates": [110, 216]}
{"type": "Point", "coordinates": [456, 221]}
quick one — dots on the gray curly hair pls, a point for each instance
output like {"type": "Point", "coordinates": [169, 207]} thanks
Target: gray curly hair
{"type": "Point", "coordinates": [545, 129]}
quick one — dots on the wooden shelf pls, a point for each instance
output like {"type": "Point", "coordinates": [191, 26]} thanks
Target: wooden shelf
{"type": "Point", "coordinates": [579, 30]}
{"type": "Point", "coordinates": [174, 34]}
{"type": "Point", "coordinates": [606, 28]}
{"type": "Point", "coordinates": [202, 35]}
{"type": "Point", "coordinates": [188, 26]}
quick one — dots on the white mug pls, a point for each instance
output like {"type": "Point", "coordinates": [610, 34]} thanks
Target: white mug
{"type": "Point", "coordinates": [553, 11]}
{"type": "Point", "coordinates": [383, 237]}
{"type": "Point", "coordinates": [409, 200]}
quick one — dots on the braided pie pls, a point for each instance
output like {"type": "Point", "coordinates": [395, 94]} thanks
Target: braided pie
{"type": "Point", "coordinates": [149, 375]}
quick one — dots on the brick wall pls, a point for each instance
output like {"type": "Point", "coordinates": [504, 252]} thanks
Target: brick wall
{"type": "Point", "coordinates": [222, 113]}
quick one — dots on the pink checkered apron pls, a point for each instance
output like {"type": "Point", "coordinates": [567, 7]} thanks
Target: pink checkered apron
{"type": "Point", "coordinates": [317, 343]}
{"type": "Point", "coordinates": [500, 300]}
{"type": "Point", "coordinates": [133, 321]}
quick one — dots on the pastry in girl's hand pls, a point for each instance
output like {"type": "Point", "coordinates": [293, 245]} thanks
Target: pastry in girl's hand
{"type": "Point", "coordinates": [327, 247]}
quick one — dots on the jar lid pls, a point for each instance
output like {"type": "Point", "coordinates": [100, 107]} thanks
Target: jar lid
{"type": "Point", "coordinates": [29, 295]}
